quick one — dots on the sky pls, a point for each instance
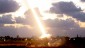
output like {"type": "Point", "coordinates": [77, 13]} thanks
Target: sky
{"type": "Point", "coordinates": [59, 17]}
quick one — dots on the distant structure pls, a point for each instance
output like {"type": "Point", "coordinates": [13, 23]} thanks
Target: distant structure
{"type": "Point", "coordinates": [77, 35]}
{"type": "Point", "coordinates": [18, 36]}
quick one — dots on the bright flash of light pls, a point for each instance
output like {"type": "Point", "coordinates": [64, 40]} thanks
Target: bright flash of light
{"type": "Point", "coordinates": [44, 34]}
{"type": "Point", "coordinates": [20, 12]}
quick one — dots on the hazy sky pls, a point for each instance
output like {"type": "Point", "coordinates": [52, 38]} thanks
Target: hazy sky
{"type": "Point", "coordinates": [60, 17]}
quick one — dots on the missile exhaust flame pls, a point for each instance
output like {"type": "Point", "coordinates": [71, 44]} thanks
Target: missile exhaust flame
{"type": "Point", "coordinates": [43, 31]}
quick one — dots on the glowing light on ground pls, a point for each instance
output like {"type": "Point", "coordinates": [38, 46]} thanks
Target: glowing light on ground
{"type": "Point", "coordinates": [43, 31]}
{"type": "Point", "coordinates": [45, 36]}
